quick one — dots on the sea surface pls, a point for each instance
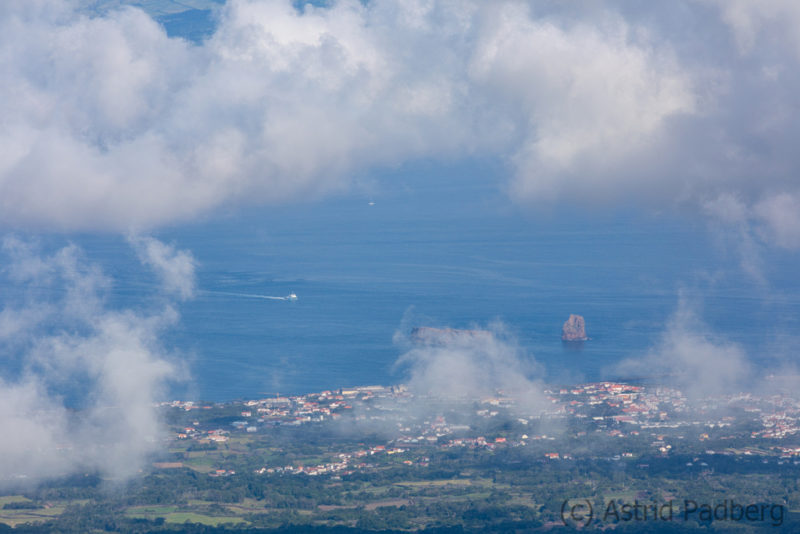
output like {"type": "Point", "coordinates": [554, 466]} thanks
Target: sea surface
{"type": "Point", "coordinates": [440, 245]}
{"type": "Point", "coordinates": [436, 244]}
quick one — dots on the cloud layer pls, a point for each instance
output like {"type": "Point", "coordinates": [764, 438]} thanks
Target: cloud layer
{"type": "Point", "coordinates": [469, 364]}
{"type": "Point", "coordinates": [673, 105]}
{"type": "Point", "coordinates": [80, 379]}
{"type": "Point", "coordinates": [701, 363]}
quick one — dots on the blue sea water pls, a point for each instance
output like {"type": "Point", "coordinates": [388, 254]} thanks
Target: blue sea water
{"type": "Point", "coordinates": [442, 245]}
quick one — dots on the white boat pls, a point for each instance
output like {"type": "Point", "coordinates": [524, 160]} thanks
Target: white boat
{"type": "Point", "coordinates": [291, 296]}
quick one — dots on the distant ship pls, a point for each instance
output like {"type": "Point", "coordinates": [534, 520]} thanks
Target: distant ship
{"type": "Point", "coordinates": [291, 296]}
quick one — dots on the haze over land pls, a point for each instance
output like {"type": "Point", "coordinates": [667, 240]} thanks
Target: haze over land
{"type": "Point", "coordinates": [683, 111]}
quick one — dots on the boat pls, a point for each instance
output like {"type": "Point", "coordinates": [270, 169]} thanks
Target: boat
{"type": "Point", "coordinates": [291, 296]}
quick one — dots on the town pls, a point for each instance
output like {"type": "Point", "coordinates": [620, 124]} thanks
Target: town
{"type": "Point", "coordinates": [375, 458]}
{"type": "Point", "coordinates": [659, 417]}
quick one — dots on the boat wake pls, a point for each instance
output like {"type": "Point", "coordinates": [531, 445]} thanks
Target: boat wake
{"type": "Point", "coordinates": [292, 296]}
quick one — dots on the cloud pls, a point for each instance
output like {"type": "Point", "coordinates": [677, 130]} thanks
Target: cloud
{"type": "Point", "coordinates": [592, 95]}
{"type": "Point", "coordinates": [174, 268]}
{"type": "Point", "coordinates": [146, 130]}
{"type": "Point", "coordinates": [470, 364]}
{"type": "Point", "coordinates": [750, 22]}
{"type": "Point", "coordinates": [34, 424]}
{"type": "Point", "coordinates": [733, 224]}
{"type": "Point", "coordinates": [780, 217]}
{"type": "Point", "coordinates": [667, 106]}
{"type": "Point", "coordinates": [699, 362]}
{"type": "Point", "coordinates": [80, 379]}
{"type": "Point", "coordinates": [774, 220]}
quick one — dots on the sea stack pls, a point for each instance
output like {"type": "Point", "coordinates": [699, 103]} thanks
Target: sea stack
{"type": "Point", "coordinates": [574, 329]}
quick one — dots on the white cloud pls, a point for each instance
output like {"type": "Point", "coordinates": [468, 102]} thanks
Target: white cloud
{"type": "Point", "coordinates": [750, 21]}
{"type": "Point", "coordinates": [145, 130]}
{"type": "Point", "coordinates": [88, 376]}
{"type": "Point", "coordinates": [32, 446]}
{"type": "Point", "coordinates": [673, 104]}
{"type": "Point", "coordinates": [701, 363]}
{"type": "Point", "coordinates": [175, 268]}
{"type": "Point", "coordinates": [464, 364]}
{"type": "Point", "coordinates": [590, 97]}
{"type": "Point", "coordinates": [747, 228]}
{"type": "Point", "coordinates": [731, 220]}
{"type": "Point", "coordinates": [780, 214]}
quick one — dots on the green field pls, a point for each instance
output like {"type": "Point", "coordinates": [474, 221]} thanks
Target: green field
{"type": "Point", "coordinates": [17, 517]}
{"type": "Point", "coordinates": [172, 514]}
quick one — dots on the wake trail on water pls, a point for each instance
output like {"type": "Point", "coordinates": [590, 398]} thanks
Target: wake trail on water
{"type": "Point", "coordinates": [245, 295]}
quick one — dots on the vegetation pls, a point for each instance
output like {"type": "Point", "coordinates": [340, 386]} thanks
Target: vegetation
{"type": "Point", "coordinates": [252, 482]}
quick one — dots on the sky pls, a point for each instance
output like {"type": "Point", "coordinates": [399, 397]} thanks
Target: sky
{"type": "Point", "coordinates": [113, 126]}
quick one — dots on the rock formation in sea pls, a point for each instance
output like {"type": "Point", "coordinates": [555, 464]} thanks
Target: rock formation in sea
{"type": "Point", "coordinates": [574, 329]}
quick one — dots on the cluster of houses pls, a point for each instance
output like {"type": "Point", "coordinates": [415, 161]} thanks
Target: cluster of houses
{"type": "Point", "coordinates": [614, 409]}
{"type": "Point", "coordinates": [346, 463]}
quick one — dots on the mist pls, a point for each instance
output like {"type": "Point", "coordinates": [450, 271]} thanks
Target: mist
{"type": "Point", "coordinates": [471, 365]}
{"type": "Point", "coordinates": [81, 379]}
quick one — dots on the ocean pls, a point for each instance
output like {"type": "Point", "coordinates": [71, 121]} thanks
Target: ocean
{"type": "Point", "coordinates": [440, 245]}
